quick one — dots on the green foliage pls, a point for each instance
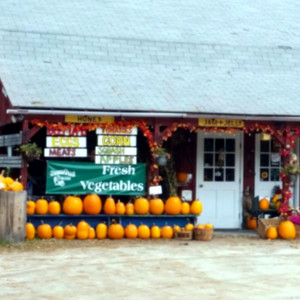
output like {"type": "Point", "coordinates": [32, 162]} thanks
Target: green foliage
{"type": "Point", "coordinates": [30, 150]}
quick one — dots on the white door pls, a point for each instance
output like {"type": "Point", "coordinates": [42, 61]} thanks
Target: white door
{"type": "Point", "coordinates": [219, 183]}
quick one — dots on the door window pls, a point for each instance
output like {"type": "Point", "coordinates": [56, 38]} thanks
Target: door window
{"type": "Point", "coordinates": [219, 159]}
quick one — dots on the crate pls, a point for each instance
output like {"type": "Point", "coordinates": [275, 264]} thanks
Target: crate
{"type": "Point", "coordinates": [264, 224]}
{"type": "Point", "coordinates": [184, 235]}
{"type": "Point", "coordinates": [203, 234]}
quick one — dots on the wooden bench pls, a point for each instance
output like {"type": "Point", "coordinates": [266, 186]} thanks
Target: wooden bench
{"type": "Point", "coordinates": [260, 213]}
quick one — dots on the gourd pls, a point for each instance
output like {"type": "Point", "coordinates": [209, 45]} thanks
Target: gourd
{"type": "Point", "coordinates": [92, 204]}
{"type": "Point", "coordinates": [141, 206]}
{"type": "Point", "coordinates": [173, 205]}
{"type": "Point", "coordinates": [264, 204]}
{"type": "Point", "coordinates": [143, 232]}
{"type": "Point", "coordinates": [101, 231]}
{"type": "Point", "coordinates": [131, 231]}
{"type": "Point", "coordinates": [287, 230]}
{"type": "Point", "coordinates": [155, 232]}
{"type": "Point", "coordinates": [196, 207]}
{"type": "Point", "coordinates": [54, 208]}
{"type": "Point", "coordinates": [109, 206]}
{"type": "Point", "coordinates": [185, 208]}
{"type": "Point", "coordinates": [82, 232]}
{"type": "Point", "coordinates": [44, 231]}
{"type": "Point", "coordinates": [115, 231]}
{"type": "Point", "coordinates": [72, 205]}
{"type": "Point", "coordinates": [58, 232]}
{"type": "Point", "coordinates": [167, 232]}
{"type": "Point", "coordinates": [156, 206]}
{"type": "Point", "coordinates": [70, 232]}
{"type": "Point", "coordinates": [30, 231]}
{"type": "Point", "coordinates": [41, 207]}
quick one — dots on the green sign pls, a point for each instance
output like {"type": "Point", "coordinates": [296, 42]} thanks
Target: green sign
{"type": "Point", "coordinates": [88, 178]}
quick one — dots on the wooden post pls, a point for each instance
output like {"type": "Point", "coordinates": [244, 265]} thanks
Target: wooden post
{"type": "Point", "coordinates": [13, 216]}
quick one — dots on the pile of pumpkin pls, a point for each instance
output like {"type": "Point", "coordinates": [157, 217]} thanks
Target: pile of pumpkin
{"type": "Point", "coordinates": [92, 205]}
{"type": "Point", "coordinates": [114, 231]}
{"type": "Point", "coordinates": [9, 184]}
{"type": "Point", "coordinates": [285, 230]}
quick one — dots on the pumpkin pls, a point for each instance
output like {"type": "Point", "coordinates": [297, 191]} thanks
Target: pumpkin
{"type": "Point", "coordinates": [82, 232]}
{"type": "Point", "coordinates": [185, 208]}
{"type": "Point", "coordinates": [173, 205]}
{"type": "Point", "coordinates": [72, 205]}
{"type": "Point", "coordinates": [176, 228]}
{"type": "Point", "coordinates": [54, 208]}
{"type": "Point", "coordinates": [287, 230]}
{"type": "Point", "coordinates": [208, 225]}
{"type": "Point", "coordinates": [131, 231]}
{"type": "Point", "coordinates": [101, 231]}
{"type": "Point", "coordinates": [15, 186]}
{"type": "Point", "coordinates": [182, 177]}
{"type": "Point", "coordinates": [251, 222]}
{"type": "Point", "coordinates": [156, 206]}
{"type": "Point", "coordinates": [92, 233]}
{"type": "Point", "coordinates": [120, 208]}
{"type": "Point", "coordinates": [30, 231]}
{"type": "Point", "coordinates": [30, 207]}
{"type": "Point", "coordinates": [196, 207]}
{"type": "Point", "coordinates": [109, 206]}
{"type": "Point", "coordinates": [167, 232]}
{"type": "Point", "coordinates": [70, 232]}
{"type": "Point", "coordinates": [264, 204]}
{"type": "Point", "coordinates": [143, 232]}
{"type": "Point", "coordinates": [41, 207]}
{"type": "Point", "coordinates": [272, 233]}
{"type": "Point", "coordinates": [189, 227]}
{"type": "Point", "coordinates": [92, 204]}
{"type": "Point", "coordinates": [200, 226]}
{"type": "Point", "coordinates": [44, 231]}
{"type": "Point", "coordinates": [141, 206]}
{"type": "Point", "coordinates": [115, 231]}
{"type": "Point", "coordinates": [155, 232]}
{"type": "Point", "coordinates": [9, 181]}
{"type": "Point", "coordinates": [129, 208]}
{"type": "Point", "coordinates": [3, 184]}
{"type": "Point", "coordinates": [58, 232]}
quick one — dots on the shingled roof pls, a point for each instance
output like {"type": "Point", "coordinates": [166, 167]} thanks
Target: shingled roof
{"type": "Point", "coordinates": [199, 57]}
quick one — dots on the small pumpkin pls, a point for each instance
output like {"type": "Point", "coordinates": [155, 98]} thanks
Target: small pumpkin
{"type": "Point", "coordinates": [287, 230]}
{"type": "Point", "coordinates": [272, 233]}
{"type": "Point", "coordinates": [44, 231]}
{"type": "Point", "coordinates": [41, 207]}
{"type": "Point", "coordinates": [101, 231]}
{"type": "Point", "coordinates": [30, 207]}
{"type": "Point", "coordinates": [176, 228]}
{"type": "Point", "coordinates": [54, 208]}
{"type": "Point", "coordinates": [92, 204]}
{"type": "Point", "coordinates": [30, 231]}
{"type": "Point", "coordinates": [208, 225]}
{"type": "Point", "coordinates": [92, 233]}
{"type": "Point", "coordinates": [141, 206]}
{"type": "Point", "coordinates": [70, 232]}
{"type": "Point", "coordinates": [131, 231]}
{"type": "Point", "coordinates": [189, 227]}
{"type": "Point", "coordinates": [120, 208]}
{"type": "Point", "coordinates": [72, 205]}
{"type": "Point", "coordinates": [15, 186]}
{"type": "Point", "coordinates": [251, 222]}
{"type": "Point", "coordinates": [155, 232]}
{"type": "Point", "coordinates": [143, 232]}
{"type": "Point", "coordinates": [109, 206]}
{"type": "Point", "coordinates": [185, 208]}
{"type": "Point", "coordinates": [156, 206]}
{"type": "Point", "coordinates": [196, 207]}
{"type": "Point", "coordinates": [115, 231]}
{"type": "Point", "coordinates": [173, 205]}
{"type": "Point", "coordinates": [182, 177]}
{"type": "Point", "coordinates": [82, 232]}
{"type": "Point", "coordinates": [129, 208]}
{"type": "Point", "coordinates": [264, 204]}
{"type": "Point", "coordinates": [58, 232]}
{"type": "Point", "coordinates": [167, 232]}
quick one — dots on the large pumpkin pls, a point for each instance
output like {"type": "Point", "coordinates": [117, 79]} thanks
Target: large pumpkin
{"type": "Point", "coordinates": [70, 232]}
{"type": "Point", "coordinates": [173, 205]}
{"type": "Point", "coordinates": [30, 231]}
{"type": "Point", "coordinates": [167, 232]}
{"type": "Point", "coordinates": [196, 207]}
{"type": "Point", "coordinates": [101, 231]}
{"type": "Point", "coordinates": [92, 204]}
{"type": "Point", "coordinates": [54, 208]}
{"type": "Point", "coordinates": [82, 232]}
{"type": "Point", "coordinates": [115, 231]}
{"type": "Point", "coordinates": [58, 232]}
{"type": "Point", "coordinates": [30, 207]}
{"type": "Point", "coordinates": [131, 231]}
{"type": "Point", "coordinates": [143, 232]}
{"type": "Point", "coordinates": [44, 231]}
{"type": "Point", "coordinates": [72, 205]}
{"type": "Point", "coordinates": [109, 206]}
{"type": "Point", "coordinates": [156, 206]}
{"type": "Point", "coordinates": [141, 206]}
{"type": "Point", "coordinates": [264, 204]}
{"type": "Point", "coordinates": [287, 230]}
{"type": "Point", "coordinates": [41, 207]}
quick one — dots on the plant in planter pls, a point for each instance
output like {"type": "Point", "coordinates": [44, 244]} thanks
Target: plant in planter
{"type": "Point", "coordinates": [162, 156]}
{"type": "Point", "coordinates": [30, 151]}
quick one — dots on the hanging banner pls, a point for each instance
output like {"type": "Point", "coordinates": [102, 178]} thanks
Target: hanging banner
{"type": "Point", "coordinates": [87, 178]}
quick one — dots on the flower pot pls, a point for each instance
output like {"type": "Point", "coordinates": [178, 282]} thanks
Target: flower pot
{"type": "Point", "coordinates": [162, 160]}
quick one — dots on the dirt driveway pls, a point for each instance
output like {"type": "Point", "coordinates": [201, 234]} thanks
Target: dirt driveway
{"type": "Point", "coordinates": [228, 267]}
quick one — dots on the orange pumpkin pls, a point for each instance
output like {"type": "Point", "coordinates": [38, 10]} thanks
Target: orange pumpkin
{"type": "Point", "coordinates": [70, 232]}
{"type": "Point", "coordinates": [109, 206]}
{"type": "Point", "coordinates": [287, 230]}
{"type": "Point", "coordinates": [44, 231]}
{"type": "Point", "coordinates": [30, 231]}
{"type": "Point", "coordinates": [82, 232]}
{"type": "Point", "coordinates": [167, 232]}
{"type": "Point", "coordinates": [92, 204]}
{"type": "Point", "coordinates": [54, 208]}
{"type": "Point", "coordinates": [176, 228]}
{"type": "Point", "coordinates": [15, 186]}
{"type": "Point", "coordinates": [120, 208]}
{"type": "Point", "coordinates": [272, 233]}
{"type": "Point", "coordinates": [251, 222]}
{"type": "Point", "coordinates": [3, 184]}
{"type": "Point", "coordinates": [196, 207]}
{"type": "Point", "coordinates": [129, 208]}
{"type": "Point", "coordinates": [189, 227]}
{"type": "Point", "coordinates": [173, 205]}
{"type": "Point", "coordinates": [143, 232]}
{"type": "Point", "coordinates": [115, 231]}
{"type": "Point", "coordinates": [155, 232]}
{"type": "Point", "coordinates": [30, 207]}
{"type": "Point", "coordinates": [41, 207]}
{"type": "Point", "coordinates": [185, 208]}
{"type": "Point", "coordinates": [264, 204]}
{"type": "Point", "coordinates": [182, 177]}
{"type": "Point", "coordinates": [156, 206]}
{"type": "Point", "coordinates": [141, 206]}
{"type": "Point", "coordinates": [58, 232]}
{"type": "Point", "coordinates": [72, 205]}
{"type": "Point", "coordinates": [92, 233]}
{"type": "Point", "coordinates": [101, 231]}
{"type": "Point", "coordinates": [131, 231]}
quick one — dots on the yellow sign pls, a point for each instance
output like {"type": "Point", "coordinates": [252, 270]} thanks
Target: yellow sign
{"type": "Point", "coordinates": [221, 123]}
{"type": "Point", "coordinates": [89, 119]}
